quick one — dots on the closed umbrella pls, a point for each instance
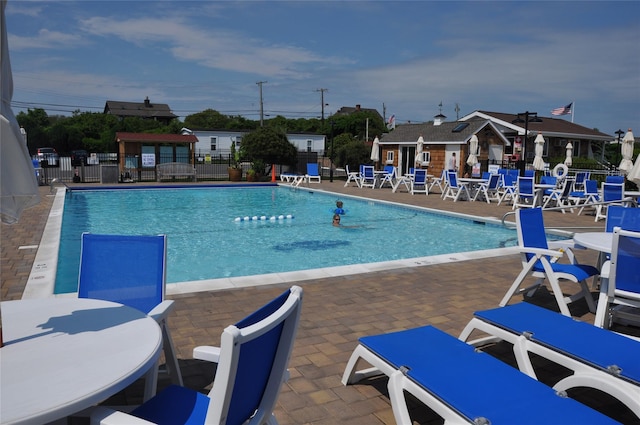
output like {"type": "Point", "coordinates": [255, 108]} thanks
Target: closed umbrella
{"type": "Point", "coordinates": [627, 152]}
{"type": "Point", "coordinates": [634, 173]}
{"type": "Point", "coordinates": [568, 160]}
{"type": "Point", "coordinates": [473, 150]}
{"type": "Point", "coordinates": [19, 188]}
{"type": "Point", "coordinates": [538, 162]}
{"type": "Point", "coordinates": [419, 147]}
{"type": "Point", "coordinates": [375, 150]}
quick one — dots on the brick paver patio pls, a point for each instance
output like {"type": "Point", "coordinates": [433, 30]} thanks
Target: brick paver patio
{"type": "Point", "coordinates": [336, 311]}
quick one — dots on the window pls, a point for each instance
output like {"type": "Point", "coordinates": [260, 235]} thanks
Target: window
{"type": "Point", "coordinates": [309, 145]}
{"type": "Point", "coordinates": [426, 158]}
{"type": "Point", "coordinates": [458, 128]}
{"type": "Point", "coordinates": [214, 143]}
{"type": "Point", "coordinates": [389, 157]}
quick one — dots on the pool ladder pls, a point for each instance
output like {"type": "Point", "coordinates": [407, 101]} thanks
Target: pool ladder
{"type": "Point", "coordinates": [56, 180]}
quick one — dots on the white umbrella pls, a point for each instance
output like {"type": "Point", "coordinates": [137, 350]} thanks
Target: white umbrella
{"type": "Point", "coordinates": [419, 147]}
{"type": "Point", "coordinates": [538, 162]}
{"type": "Point", "coordinates": [375, 150]}
{"type": "Point", "coordinates": [568, 160]}
{"type": "Point", "coordinates": [627, 152]}
{"type": "Point", "coordinates": [473, 149]}
{"type": "Point", "coordinates": [19, 188]}
{"type": "Point", "coordinates": [634, 174]}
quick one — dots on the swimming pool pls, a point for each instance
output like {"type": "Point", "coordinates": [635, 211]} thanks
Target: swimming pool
{"type": "Point", "coordinates": [206, 241]}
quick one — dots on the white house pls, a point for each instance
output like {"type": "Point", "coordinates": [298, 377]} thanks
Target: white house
{"type": "Point", "coordinates": [218, 142]}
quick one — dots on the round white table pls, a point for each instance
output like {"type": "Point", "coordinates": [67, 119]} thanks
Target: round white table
{"type": "Point", "coordinates": [62, 355]}
{"type": "Point", "coordinates": [599, 241]}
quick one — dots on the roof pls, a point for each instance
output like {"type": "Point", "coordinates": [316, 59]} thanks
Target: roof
{"type": "Point", "coordinates": [438, 134]}
{"type": "Point", "coordinates": [553, 127]}
{"type": "Point", "coordinates": [144, 109]}
{"type": "Point", "coordinates": [348, 110]}
{"type": "Point", "coordinates": [157, 138]}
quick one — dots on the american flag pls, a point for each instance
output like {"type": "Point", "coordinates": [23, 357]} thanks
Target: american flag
{"type": "Point", "coordinates": [391, 123]}
{"type": "Point", "coordinates": [563, 110]}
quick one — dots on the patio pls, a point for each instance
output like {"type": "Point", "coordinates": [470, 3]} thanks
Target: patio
{"type": "Point", "coordinates": [336, 312]}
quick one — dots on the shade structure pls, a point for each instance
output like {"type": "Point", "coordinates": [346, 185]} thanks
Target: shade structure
{"type": "Point", "coordinates": [375, 150]}
{"type": "Point", "coordinates": [473, 150]}
{"type": "Point", "coordinates": [419, 147]}
{"type": "Point", "coordinates": [19, 187]}
{"type": "Point", "coordinates": [568, 161]}
{"type": "Point", "coordinates": [538, 162]}
{"type": "Point", "coordinates": [627, 152]}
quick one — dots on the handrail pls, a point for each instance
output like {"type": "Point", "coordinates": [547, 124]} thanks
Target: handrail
{"type": "Point", "coordinates": [56, 180]}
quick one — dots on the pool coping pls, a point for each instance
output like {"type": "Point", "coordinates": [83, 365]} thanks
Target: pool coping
{"type": "Point", "coordinates": [41, 281]}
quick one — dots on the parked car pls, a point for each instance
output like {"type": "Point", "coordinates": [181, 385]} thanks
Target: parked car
{"type": "Point", "coordinates": [50, 155]}
{"type": "Point", "coordinates": [79, 157]}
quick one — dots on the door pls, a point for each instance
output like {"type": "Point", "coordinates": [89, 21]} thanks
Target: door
{"type": "Point", "coordinates": [407, 157]}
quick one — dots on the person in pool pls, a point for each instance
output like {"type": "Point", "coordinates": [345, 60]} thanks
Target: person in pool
{"type": "Point", "coordinates": [339, 209]}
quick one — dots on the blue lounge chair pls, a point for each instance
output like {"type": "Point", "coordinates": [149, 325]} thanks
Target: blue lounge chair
{"type": "Point", "coordinates": [313, 175]}
{"type": "Point", "coordinates": [252, 365]}
{"type": "Point", "coordinates": [539, 261]}
{"type": "Point", "coordinates": [598, 358]}
{"type": "Point", "coordinates": [130, 270]}
{"type": "Point", "coordinates": [460, 384]}
{"type": "Point", "coordinates": [489, 189]}
{"type": "Point", "coordinates": [368, 178]}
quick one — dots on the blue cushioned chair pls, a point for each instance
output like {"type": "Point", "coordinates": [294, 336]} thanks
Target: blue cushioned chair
{"type": "Point", "coordinates": [313, 174]}
{"type": "Point", "coordinates": [541, 262]}
{"type": "Point", "coordinates": [526, 195]}
{"type": "Point", "coordinates": [130, 270]}
{"type": "Point", "coordinates": [252, 365]}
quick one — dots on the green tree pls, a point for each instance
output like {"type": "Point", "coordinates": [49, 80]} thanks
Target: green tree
{"type": "Point", "coordinates": [269, 146]}
{"type": "Point", "coordinates": [350, 151]}
{"type": "Point", "coordinates": [207, 119]}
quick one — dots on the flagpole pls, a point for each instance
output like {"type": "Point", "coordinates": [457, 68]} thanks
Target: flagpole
{"type": "Point", "coordinates": [573, 108]}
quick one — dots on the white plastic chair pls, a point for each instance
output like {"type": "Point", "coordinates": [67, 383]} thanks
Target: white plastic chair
{"type": "Point", "coordinates": [489, 189]}
{"type": "Point", "coordinates": [454, 188]}
{"type": "Point", "coordinates": [419, 182]}
{"type": "Point", "coordinates": [252, 365]}
{"type": "Point", "coordinates": [352, 176]}
{"type": "Point", "coordinates": [622, 287]}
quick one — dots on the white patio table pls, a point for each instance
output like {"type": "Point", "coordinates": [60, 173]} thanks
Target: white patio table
{"type": "Point", "coordinates": [599, 241]}
{"type": "Point", "coordinates": [63, 355]}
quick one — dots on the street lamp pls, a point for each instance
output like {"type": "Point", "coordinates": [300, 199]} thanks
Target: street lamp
{"type": "Point", "coordinates": [619, 133]}
{"type": "Point", "coordinates": [526, 118]}
{"type": "Point", "coordinates": [331, 155]}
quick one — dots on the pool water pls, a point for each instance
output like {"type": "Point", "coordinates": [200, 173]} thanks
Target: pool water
{"type": "Point", "coordinates": [205, 239]}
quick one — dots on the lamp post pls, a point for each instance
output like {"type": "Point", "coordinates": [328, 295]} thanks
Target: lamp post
{"type": "Point", "coordinates": [525, 117]}
{"type": "Point", "coordinates": [619, 134]}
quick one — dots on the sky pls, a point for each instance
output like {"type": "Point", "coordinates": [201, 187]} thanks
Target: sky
{"type": "Point", "coordinates": [402, 58]}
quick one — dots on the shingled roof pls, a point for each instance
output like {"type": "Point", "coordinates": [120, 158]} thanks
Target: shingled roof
{"type": "Point", "coordinates": [552, 127]}
{"type": "Point", "coordinates": [146, 109]}
{"type": "Point", "coordinates": [446, 133]}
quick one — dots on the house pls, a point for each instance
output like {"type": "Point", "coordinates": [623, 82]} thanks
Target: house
{"type": "Point", "coordinates": [147, 110]}
{"type": "Point", "coordinates": [348, 110]}
{"type": "Point", "coordinates": [441, 141]}
{"type": "Point", "coordinates": [557, 133]}
{"type": "Point", "coordinates": [218, 142]}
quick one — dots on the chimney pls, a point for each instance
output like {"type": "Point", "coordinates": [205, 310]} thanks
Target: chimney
{"type": "Point", "coordinates": [357, 107]}
{"type": "Point", "coordinates": [147, 103]}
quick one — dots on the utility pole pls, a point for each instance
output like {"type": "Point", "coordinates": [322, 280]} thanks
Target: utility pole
{"type": "Point", "coordinates": [322, 103]}
{"type": "Point", "coordinates": [260, 83]}
{"type": "Point", "coordinates": [457, 112]}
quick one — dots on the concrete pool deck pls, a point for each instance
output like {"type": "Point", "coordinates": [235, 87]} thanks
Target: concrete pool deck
{"type": "Point", "coordinates": [337, 310]}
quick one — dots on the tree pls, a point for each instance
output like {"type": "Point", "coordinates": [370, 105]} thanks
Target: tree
{"type": "Point", "coordinates": [270, 146]}
{"type": "Point", "coordinates": [350, 151]}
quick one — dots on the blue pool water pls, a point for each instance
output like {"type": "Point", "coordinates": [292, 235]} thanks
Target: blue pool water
{"type": "Point", "coordinates": [204, 240]}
